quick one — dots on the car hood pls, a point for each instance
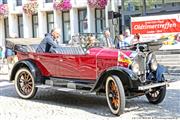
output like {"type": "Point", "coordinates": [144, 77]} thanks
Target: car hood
{"type": "Point", "coordinates": [111, 52]}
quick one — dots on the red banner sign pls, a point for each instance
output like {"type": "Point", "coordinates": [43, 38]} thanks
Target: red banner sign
{"type": "Point", "coordinates": [165, 27]}
{"type": "Point", "coordinates": [156, 26]}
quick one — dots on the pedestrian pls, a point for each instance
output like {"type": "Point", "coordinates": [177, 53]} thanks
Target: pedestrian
{"type": "Point", "coordinates": [1, 60]}
{"type": "Point", "coordinates": [107, 40]}
{"type": "Point", "coordinates": [136, 38]}
{"type": "Point", "coordinates": [9, 54]}
{"type": "Point", "coordinates": [1, 52]}
{"type": "Point", "coordinates": [128, 38]}
{"type": "Point", "coordinates": [177, 37]}
{"type": "Point", "coordinates": [121, 44]}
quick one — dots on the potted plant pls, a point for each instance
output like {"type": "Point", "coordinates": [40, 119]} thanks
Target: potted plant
{"type": "Point", "coordinates": [31, 7]}
{"type": "Point", "coordinates": [97, 3]}
{"type": "Point", "coordinates": [62, 5]}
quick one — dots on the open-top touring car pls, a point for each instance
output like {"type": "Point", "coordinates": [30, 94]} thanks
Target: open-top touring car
{"type": "Point", "coordinates": [117, 74]}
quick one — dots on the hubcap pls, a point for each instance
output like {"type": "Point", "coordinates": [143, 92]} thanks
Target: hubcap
{"type": "Point", "coordinates": [155, 93]}
{"type": "Point", "coordinates": [25, 83]}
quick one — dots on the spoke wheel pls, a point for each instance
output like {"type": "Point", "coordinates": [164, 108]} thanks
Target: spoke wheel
{"type": "Point", "coordinates": [157, 95]}
{"type": "Point", "coordinates": [115, 95]}
{"type": "Point", "coordinates": [25, 84]}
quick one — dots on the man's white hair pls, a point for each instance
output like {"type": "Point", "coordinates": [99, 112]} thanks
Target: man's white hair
{"type": "Point", "coordinates": [127, 31]}
{"type": "Point", "coordinates": [57, 30]}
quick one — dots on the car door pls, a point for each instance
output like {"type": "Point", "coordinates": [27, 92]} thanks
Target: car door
{"type": "Point", "coordinates": [87, 67]}
{"type": "Point", "coordinates": [50, 62]}
{"type": "Point", "coordinates": [78, 66]}
{"type": "Point", "coordinates": [69, 66]}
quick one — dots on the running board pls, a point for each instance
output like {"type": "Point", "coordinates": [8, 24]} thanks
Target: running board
{"type": "Point", "coordinates": [154, 85]}
{"type": "Point", "coordinates": [64, 89]}
{"type": "Point", "coordinates": [72, 83]}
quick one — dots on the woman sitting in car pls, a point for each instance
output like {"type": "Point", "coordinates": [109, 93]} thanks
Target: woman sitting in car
{"type": "Point", "coordinates": [90, 42]}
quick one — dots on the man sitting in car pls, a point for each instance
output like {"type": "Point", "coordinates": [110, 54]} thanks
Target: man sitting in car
{"type": "Point", "coordinates": [50, 41]}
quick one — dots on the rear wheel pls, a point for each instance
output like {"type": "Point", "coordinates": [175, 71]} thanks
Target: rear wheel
{"type": "Point", "coordinates": [115, 95]}
{"type": "Point", "coordinates": [25, 84]}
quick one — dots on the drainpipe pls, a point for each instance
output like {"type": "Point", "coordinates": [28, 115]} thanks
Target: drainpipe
{"type": "Point", "coordinates": [122, 14]}
{"type": "Point", "coordinates": [144, 8]}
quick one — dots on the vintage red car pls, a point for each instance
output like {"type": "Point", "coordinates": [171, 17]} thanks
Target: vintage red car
{"type": "Point", "coordinates": [117, 74]}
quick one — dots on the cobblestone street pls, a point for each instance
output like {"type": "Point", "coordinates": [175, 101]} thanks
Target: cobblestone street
{"type": "Point", "coordinates": [54, 105]}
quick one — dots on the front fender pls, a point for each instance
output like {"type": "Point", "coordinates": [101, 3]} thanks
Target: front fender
{"type": "Point", "coordinates": [159, 72]}
{"type": "Point", "coordinates": [29, 64]}
{"type": "Point", "coordinates": [121, 72]}
{"type": "Point", "coordinates": [131, 75]}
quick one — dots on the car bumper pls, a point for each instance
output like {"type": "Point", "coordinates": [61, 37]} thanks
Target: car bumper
{"type": "Point", "coordinates": [153, 85]}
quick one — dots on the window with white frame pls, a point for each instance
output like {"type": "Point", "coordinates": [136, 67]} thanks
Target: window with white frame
{"type": "Point", "coordinates": [154, 4]}
{"type": "Point", "coordinates": [172, 3]}
{"type": "Point", "coordinates": [6, 27]}
{"type": "Point", "coordinates": [48, 1]}
{"type": "Point", "coordinates": [50, 21]}
{"type": "Point", "coordinates": [83, 25]}
{"type": "Point", "coordinates": [18, 2]}
{"type": "Point", "coordinates": [99, 20]}
{"type": "Point", "coordinates": [4, 1]}
{"type": "Point", "coordinates": [20, 26]}
{"type": "Point", "coordinates": [35, 25]}
{"type": "Point", "coordinates": [66, 26]}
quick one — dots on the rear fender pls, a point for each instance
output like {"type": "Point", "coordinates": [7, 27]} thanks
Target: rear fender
{"type": "Point", "coordinates": [31, 66]}
{"type": "Point", "coordinates": [126, 75]}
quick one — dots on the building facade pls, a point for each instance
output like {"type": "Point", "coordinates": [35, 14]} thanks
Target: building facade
{"type": "Point", "coordinates": [81, 18]}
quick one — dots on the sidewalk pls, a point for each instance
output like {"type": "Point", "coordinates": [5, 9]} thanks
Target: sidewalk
{"type": "Point", "coordinates": [4, 71]}
{"type": "Point", "coordinates": [4, 77]}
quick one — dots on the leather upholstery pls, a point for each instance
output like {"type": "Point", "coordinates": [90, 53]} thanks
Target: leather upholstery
{"type": "Point", "coordinates": [72, 50]}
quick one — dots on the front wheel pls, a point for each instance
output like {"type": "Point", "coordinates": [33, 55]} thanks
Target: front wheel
{"type": "Point", "coordinates": [157, 95]}
{"type": "Point", "coordinates": [115, 95]}
{"type": "Point", "coordinates": [25, 84]}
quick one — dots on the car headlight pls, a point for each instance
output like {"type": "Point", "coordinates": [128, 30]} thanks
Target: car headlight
{"type": "Point", "coordinates": [135, 67]}
{"type": "Point", "coordinates": [153, 64]}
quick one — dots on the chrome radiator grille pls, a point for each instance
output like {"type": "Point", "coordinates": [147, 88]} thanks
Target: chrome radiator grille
{"type": "Point", "coordinates": [141, 60]}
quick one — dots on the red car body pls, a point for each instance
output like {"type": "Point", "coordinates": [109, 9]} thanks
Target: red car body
{"type": "Point", "coordinates": [86, 66]}
{"type": "Point", "coordinates": [115, 73]}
